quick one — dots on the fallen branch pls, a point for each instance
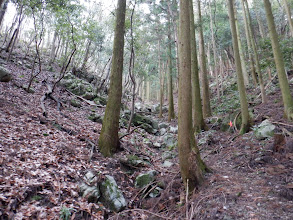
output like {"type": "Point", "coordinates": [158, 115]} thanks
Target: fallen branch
{"type": "Point", "coordinates": [48, 94]}
{"type": "Point", "coordinates": [235, 120]}
{"type": "Point", "coordinates": [287, 132]}
{"type": "Point", "coordinates": [280, 123]}
{"type": "Point", "coordinates": [129, 133]}
{"type": "Point", "coordinates": [91, 103]}
{"type": "Point", "coordinates": [93, 148]}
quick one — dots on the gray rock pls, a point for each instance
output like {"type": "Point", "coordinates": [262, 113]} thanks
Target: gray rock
{"type": "Point", "coordinates": [157, 145]}
{"type": "Point", "coordinates": [167, 163]}
{"type": "Point", "coordinates": [112, 195]}
{"type": "Point", "coordinates": [155, 108]}
{"type": "Point", "coordinates": [206, 137]}
{"type": "Point", "coordinates": [264, 130]}
{"type": "Point", "coordinates": [92, 193]}
{"type": "Point", "coordinates": [145, 179]}
{"type": "Point", "coordinates": [89, 188]}
{"type": "Point", "coordinates": [163, 125]}
{"type": "Point", "coordinates": [163, 131]}
{"type": "Point", "coordinates": [169, 140]}
{"type": "Point", "coordinates": [138, 106]}
{"type": "Point", "coordinates": [134, 161]}
{"type": "Point", "coordinates": [167, 155]}
{"type": "Point", "coordinates": [174, 130]}
{"type": "Point", "coordinates": [155, 193]}
{"type": "Point", "coordinates": [5, 75]}
{"type": "Point", "coordinates": [147, 142]}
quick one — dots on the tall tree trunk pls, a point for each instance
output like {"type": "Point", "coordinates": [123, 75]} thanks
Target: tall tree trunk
{"type": "Point", "coordinates": [198, 120]}
{"type": "Point", "coordinates": [86, 55]}
{"type": "Point", "coordinates": [245, 124]}
{"type": "Point", "coordinates": [171, 113]}
{"type": "Point", "coordinates": [53, 48]}
{"type": "Point", "coordinates": [289, 17]}
{"type": "Point", "coordinates": [3, 8]}
{"type": "Point", "coordinates": [242, 57]}
{"type": "Point", "coordinates": [287, 98]}
{"type": "Point", "coordinates": [203, 69]}
{"type": "Point", "coordinates": [148, 90]}
{"type": "Point", "coordinates": [161, 74]}
{"type": "Point", "coordinates": [175, 28]}
{"type": "Point", "coordinates": [109, 140]}
{"type": "Point", "coordinates": [189, 157]}
{"type": "Point", "coordinates": [131, 70]}
{"type": "Point", "coordinates": [214, 51]}
{"type": "Point", "coordinates": [259, 22]}
{"type": "Point", "coordinates": [256, 57]}
{"type": "Point", "coordinates": [251, 60]}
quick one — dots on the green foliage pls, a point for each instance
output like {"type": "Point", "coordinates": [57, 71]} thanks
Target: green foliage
{"type": "Point", "coordinates": [65, 213]}
{"type": "Point", "coordinates": [267, 56]}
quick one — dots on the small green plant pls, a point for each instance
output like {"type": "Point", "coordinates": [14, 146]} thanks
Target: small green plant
{"type": "Point", "coordinates": [65, 213]}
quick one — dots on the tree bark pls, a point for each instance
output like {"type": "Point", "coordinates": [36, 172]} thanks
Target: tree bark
{"type": "Point", "coordinates": [3, 7]}
{"type": "Point", "coordinates": [161, 74]}
{"type": "Point", "coordinates": [278, 57]}
{"type": "Point", "coordinates": [242, 57]}
{"type": "Point", "coordinates": [86, 55]}
{"type": "Point", "coordinates": [189, 157]}
{"type": "Point", "coordinates": [198, 120]}
{"type": "Point", "coordinates": [203, 69]}
{"type": "Point", "coordinates": [53, 48]}
{"type": "Point", "coordinates": [109, 140]}
{"type": "Point", "coordinates": [171, 113]}
{"type": "Point", "coordinates": [289, 16]}
{"type": "Point", "coordinates": [256, 57]}
{"type": "Point", "coordinates": [214, 52]}
{"type": "Point", "coordinates": [245, 124]}
{"type": "Point", "coordinates": [246, 25]}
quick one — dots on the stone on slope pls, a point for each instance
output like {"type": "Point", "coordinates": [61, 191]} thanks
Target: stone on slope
{"type": "Point", "coordinates": [264, 130]}
{"type": "Point", "coordinates": [89, 188]}
{"type": "Point", "coordinates": [111, 195]}
{"type": "Point", "coordinates": [5, 75]}
{"type": "Point", "coordinates": [145, 179]}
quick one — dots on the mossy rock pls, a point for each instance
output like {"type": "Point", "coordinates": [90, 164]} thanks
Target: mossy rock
{"type": "Point", "coordinates": [140, 119]}
{"type": "Point", "coordinates": [75, 103]}
{"type": "Point", "coordinates": [112, 195]}
{"type": "Point", "coordinates": [100, 100]}
{"type": "Point", "coordinates": [89, 96]}
{"type": "Point", "coordinates": [145, 179]}
{"type": "Point", "coordinates": [134, 161]}
{"type": "Point", "coordinates": [265, 130]}
{"type": "Point", "coordinates": [76, 85]}
{"type": "Point", "coordinates": [148, 128]}
{"type": "Point", "coordinates": [96, 118]}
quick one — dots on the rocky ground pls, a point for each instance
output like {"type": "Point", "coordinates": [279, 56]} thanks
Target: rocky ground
{"type": "Point", "coordinates": [51, 167]}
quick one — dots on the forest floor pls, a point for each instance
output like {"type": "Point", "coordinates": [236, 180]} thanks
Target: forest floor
{"type": "Point", "coordinates": [43, 160]}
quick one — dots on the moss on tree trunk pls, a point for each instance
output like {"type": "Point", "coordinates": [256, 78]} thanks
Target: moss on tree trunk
{"type": "Point", "coordinates": [287, 98]}
{"type": "Point", "coordinates": [109, 140]}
